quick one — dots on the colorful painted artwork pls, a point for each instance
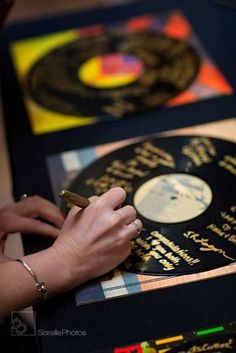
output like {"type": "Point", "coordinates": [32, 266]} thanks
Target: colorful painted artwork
{"type": "Point", "coordinates": [218, 338]}
{"type": "Point", "coordinates": [110, 72]}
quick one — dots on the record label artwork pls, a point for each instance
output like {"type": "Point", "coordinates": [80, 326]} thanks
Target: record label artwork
{"type": "Point", "coordinates": [183, 189]}
{"type": "Point", "coordinates": [109, 72]}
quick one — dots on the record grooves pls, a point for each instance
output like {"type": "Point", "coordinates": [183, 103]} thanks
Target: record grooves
{"type": "Point", "coordinates": [114, 73]}
{"type": "Point", "coordinates": [183, 189]}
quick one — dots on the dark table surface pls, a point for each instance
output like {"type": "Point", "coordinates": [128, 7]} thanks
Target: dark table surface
{"type": "Point", "coordinates": [148, 315]}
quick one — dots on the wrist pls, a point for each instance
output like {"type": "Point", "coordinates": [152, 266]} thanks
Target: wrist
{"type": "Point", "coordinates": [4, 259]}
{"type": "Point", "coordinates": [50, 268]}
{"type": "Point", "coordinates": [76, 265]}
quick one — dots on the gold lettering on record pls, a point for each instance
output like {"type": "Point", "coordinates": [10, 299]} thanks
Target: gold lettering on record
{"type": "Point", "coordinates": [200, 150]}
{"type": "Point", "coordinates": [222, 233]}
{"type": "Point", "coordinates": [177, 49]}
{"type": "Point", "coordinates": [226, 227]}
{"type": "Point", "coordinates": [232, 238]}
{"type": "Point", "coordinates": [155, 98]}
{"type": "Point", "coordinates": [106, 182]}
{"type": "Point", "coordinates": [228, 218]}
{"type": "Point", "coordinates": [217, 230]}
{"type": "Point", "coordinates": [117, 168]}
{"type": "Point", "coordinates": [182, 253]}
{"type": "Point", "coordinates": [149, 146]}
{"type": "Point", "coordinates": [166, 252]}
{"type": "Point", "coordinates": [119, 172]}
{"type": "Point", "coordinates": [140, 253]}
{"type": "Point", "coordinates": [155, 254]}
{"type": "Point", "coordinates": [204, 244]}
{"type": "Point", "coordinates": [178, 74]}
{"type": "Point", "coordinates": [148, 57]}
{"type": "Point", "coordinates": [225, 230]}
{"type": "Point", "coordinates": [233, 208]}
{"type": "Point", "coordinates": [146, 257]}
{"type": "Point", "coordinates": [173, 258]}
{"type": "Point", "coordinates": [119, 108]}
{"type": "Point", "coordinates": [143, 243]}
{"type": "Point", "coordinates": [135, 91]}
{"type": "Point", "coordinates": [133, 167]}
{"type": "Point", "coordinates": [167, 265]}
{"type": "Point", "coordinates": [149, 78]}
{"type": "Point", "coordinates": [228, 163]}
{"type": "Point", "coordinates": [160, 249]}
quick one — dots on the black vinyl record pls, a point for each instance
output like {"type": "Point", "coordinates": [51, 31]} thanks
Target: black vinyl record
{"type": "Point", "coordinates": [224, 343]}
{"type": "Point", "coordinates": [113, 74]}
{"type": "Point", "coordinates": [183, 189]}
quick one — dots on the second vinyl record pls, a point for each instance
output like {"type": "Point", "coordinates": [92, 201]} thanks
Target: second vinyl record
{"type": "Point", "coordinates": [115, 73]}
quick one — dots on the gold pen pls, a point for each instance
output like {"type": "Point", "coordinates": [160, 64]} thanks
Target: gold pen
{"type": "Point", "coordinates": [74, 199]}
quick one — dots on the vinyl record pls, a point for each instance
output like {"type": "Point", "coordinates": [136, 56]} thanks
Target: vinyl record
{"type": "Point", "coordinates": [225, 343]}
{"type": "Point", "coordinates": [183, 189]}
{"type": "Point", "coordinates": [115, 73]}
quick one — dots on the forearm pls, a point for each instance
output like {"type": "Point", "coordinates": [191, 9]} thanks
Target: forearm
{"type": "Point", "coordinates": [4, 259]}
{"type": "Point", "coordinates": [17, 287]}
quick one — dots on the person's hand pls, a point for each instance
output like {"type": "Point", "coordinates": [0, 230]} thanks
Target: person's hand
{"type": "Point", "coordinates": [95, 240]}
{"type": "Point", "coordinates": [22, 217]}
{"type": "Point", "coordinates": [91, 243]}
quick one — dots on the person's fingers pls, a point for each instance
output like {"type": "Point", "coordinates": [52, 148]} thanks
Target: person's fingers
{"type": "Point", "coordinates": [75, 209]}
{"type": "Point", "coordinates": [41, 228]}
{"type": "Point", "coordinates": [30, 225]}
{"type": "Point", "coordinates": [36, 206]}
{"type": "Point", "coordinates": [113, 198]}
{"type": "Point", "coordinates": [127, 214]}
{"type": "Point", "coordinates": [93, 198]}
{"type": "Point", "coordinates": [135, 227]}
{"type": "Point", "coordinates": [52, 214]}
{"type": "Point", "coordinates": [131, 230]}
{"type": "Point", "coordinates": [129, 233]}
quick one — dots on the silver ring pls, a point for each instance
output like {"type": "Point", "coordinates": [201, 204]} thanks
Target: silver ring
{"type": "Point", "coordinates": [138, 225]}
{"type": "Point", "coordinates": [23, 196]}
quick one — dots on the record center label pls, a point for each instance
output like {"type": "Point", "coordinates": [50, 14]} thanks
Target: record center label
{"type": "Point", "coordinates": [173, 198]}
{"type": "Point", "coordinates": [111, 70]}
